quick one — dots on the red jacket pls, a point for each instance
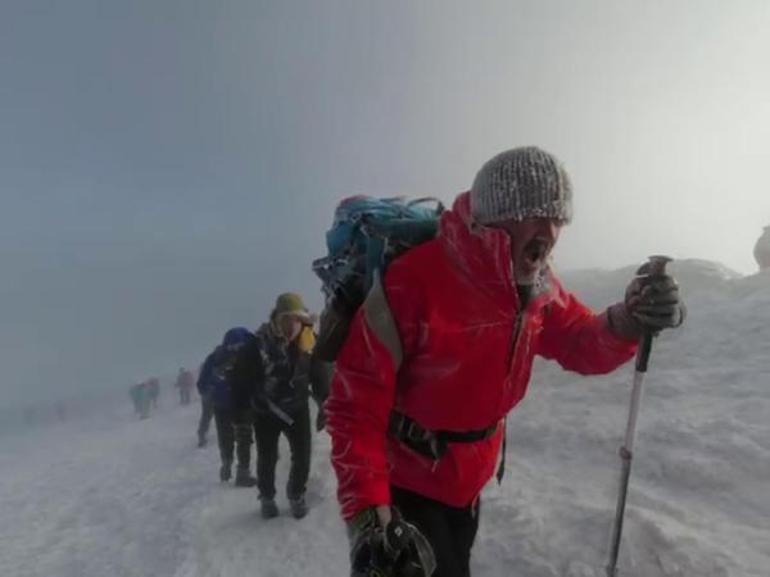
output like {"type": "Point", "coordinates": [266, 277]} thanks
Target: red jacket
{"type": "Point", "coordinates": [464, 361]}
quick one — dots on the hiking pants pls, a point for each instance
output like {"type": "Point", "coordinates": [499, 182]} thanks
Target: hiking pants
{"type": "Point", "coordinates": [207, 412]}
{"type": "Point", "coordinates": [267, 431]}
{"type": "Point", "coordinates": [449, 530]}
{"type": "Point", "coordinates": [244, 436]}
{"type": "Point", "coordinates": [232, 438]}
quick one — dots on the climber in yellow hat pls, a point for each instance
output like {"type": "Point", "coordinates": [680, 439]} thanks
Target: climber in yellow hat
{"type": "Point", "coordinates": [272, 380]}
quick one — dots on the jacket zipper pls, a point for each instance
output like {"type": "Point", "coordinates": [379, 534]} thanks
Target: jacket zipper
{"type": "Point", "coordinates": [519, 315]}
{"type": "Point", "coordinates": [515, 337]}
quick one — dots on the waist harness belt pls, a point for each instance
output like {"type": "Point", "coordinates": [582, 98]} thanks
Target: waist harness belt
{"type": "Point", "coordinates": [432, 444]}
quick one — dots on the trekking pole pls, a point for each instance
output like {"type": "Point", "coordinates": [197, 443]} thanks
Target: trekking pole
{"type": "Point", "coordinates": [656, 266]}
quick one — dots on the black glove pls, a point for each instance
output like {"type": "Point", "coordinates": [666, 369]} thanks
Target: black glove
{"type": "Point", "coordinates": [320, 419]}
{"type": "Point", "coordinates": [651, 304]}
{"type": "Point", "coordinates": [396, 550]}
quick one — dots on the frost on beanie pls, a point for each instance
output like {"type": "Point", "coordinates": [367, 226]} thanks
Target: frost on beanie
{"type": "Point", "coordinates": [521, 183]}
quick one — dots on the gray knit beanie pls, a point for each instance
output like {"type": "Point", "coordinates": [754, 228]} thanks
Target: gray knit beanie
{"type": "Point", "coordinates": [521, 183]}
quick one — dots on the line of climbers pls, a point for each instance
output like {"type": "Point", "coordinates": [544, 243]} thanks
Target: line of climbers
{"type": "Point", "coordinates": [432, 322]}
{"type": "Point", "coordinates": [258, 385]}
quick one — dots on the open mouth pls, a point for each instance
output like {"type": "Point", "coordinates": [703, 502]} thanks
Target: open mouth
{"type": "Point", "coordinates": [536, 251]}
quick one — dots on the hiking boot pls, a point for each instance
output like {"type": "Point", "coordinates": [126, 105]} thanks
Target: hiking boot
{"type": "Point", "coordinates": [244, 479]}
{"type": "Point", "coordinates": [268, 508]}
{"type": "Point", "coordinates": [225, 472]}
{"type": "Point", "coordinates": [298, 507]}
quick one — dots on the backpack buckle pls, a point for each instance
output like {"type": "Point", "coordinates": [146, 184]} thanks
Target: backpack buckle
{"type": "Point", "coordinates": [416, 433]}
{"type": "Point", "coordinates": [424, 441]}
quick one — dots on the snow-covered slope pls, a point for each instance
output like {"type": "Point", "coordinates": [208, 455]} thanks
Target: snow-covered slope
{"type": "Point", "coordinates": [112, 496]}
{"type": "Point", "coordinates": [699, 502]}
{"type": "Point", "coordinates": [600, 287]}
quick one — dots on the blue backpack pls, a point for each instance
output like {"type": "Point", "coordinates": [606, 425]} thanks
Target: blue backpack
{"type": "Point", "coordinates": [366, 235]}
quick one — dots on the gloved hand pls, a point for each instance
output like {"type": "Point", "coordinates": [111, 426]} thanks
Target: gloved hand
{"type": "Point", "coordinates": [388, 548]}
{"type": "Point", "coordinates": [651, 304]}
{"type": "Point", "coordinates": [320, 419]}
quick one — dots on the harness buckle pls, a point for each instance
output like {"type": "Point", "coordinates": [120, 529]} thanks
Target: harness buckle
{"type": "Point", "coordinates": [416, 433]}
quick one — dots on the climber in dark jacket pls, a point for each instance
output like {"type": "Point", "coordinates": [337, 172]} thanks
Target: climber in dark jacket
{"type": "Point", "coordinates": [272, 382]}
{"type": "Point", "coordinates": [216, 398]}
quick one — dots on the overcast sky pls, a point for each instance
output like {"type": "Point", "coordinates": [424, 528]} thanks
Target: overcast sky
{"type": "Point", "coordinates": [167, 167]}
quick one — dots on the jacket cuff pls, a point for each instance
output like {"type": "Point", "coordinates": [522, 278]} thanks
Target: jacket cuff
{"type": "Point", "coordinates": [376, 494]}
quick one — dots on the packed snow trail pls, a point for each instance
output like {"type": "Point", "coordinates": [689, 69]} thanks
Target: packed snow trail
{"type": "Point", "coordinates": [130, 498]}
{"type": "Point", "coordinates": [111, 499]}
{"type": "Point", "coordinates": [115, 496]}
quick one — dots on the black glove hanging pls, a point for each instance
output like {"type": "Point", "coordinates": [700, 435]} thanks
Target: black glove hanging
{"type": "Point", "coordinates": [398, 550]}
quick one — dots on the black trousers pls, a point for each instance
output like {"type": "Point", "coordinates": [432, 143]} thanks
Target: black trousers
{"type": "Point", "coordinates": [232, 438]}
{"type": "Point", "coordinates": [244, 437]}
{"type": "Point", "coordinates": [450, 530]}
{"type": "Point", "coordinates": [267, 431]}
{"type": "Point", "coordinates": [207, 412]}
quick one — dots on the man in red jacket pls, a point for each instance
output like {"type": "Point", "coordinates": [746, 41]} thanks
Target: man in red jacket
{"type": "Point", "coordinates": [442, 350]}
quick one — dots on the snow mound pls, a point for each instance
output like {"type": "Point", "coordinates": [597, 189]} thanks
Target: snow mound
{"type": "Point", "coordinates": [599, 288]}
{"type": "Point", "coordinates": [698, 500]}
